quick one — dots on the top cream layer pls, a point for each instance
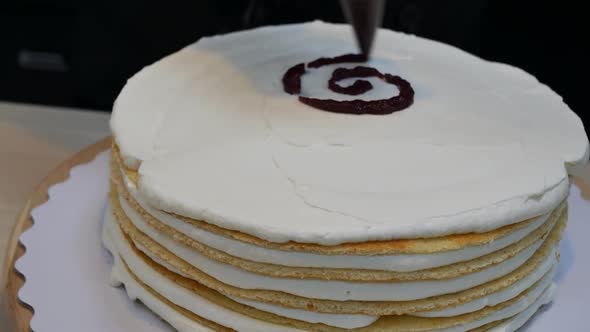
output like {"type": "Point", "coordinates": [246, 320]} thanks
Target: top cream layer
{"type": "Point", "coordinates": [215, 138]}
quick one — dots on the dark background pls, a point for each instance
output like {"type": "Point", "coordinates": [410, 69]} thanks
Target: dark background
{"type": "Point", "coordinates": [80, 52]}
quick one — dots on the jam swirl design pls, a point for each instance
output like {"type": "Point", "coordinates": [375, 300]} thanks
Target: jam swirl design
{"type": "Point", "coordinates": [405, 97]}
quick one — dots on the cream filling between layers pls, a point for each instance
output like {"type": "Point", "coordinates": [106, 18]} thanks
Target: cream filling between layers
{"type": "Point", "coordinates": [539, 274]}
{"type": "Point", "coordinates": [519, 320]}
{"type": "Point", "coordinates": [120, 276]}
{"type": "Point", "coordinates": [529, 303]}
{"type": "Point", "coordinates": [338, 320]}
{"type": "Point", "coordinates": [347, 321]}
{"type": "Point", "coordinates": [115, 242]}
{"type": "Point", "coordinates": [330, 290]}
{"type": "Point", "coordinates": [401, 262]}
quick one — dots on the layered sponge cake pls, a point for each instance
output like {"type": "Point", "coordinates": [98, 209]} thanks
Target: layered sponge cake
{"type": "Point", "coordinates": [269, 180]}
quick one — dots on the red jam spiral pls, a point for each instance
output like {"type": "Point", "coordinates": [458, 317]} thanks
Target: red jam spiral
{"type": "Point", "coordinates": [405, 97]}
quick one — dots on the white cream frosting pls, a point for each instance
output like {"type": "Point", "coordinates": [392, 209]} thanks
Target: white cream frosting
{"type": "Point", "coordinates": [332, 289]}
{"type": "Point", "coordinates": [400, 262]}
{"type": "Point", "coordinates": [216, 139]}
{"type": "Point", "coordinates": [114, 241]}
{"type": "Point", "coordinates": [520, 311]}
